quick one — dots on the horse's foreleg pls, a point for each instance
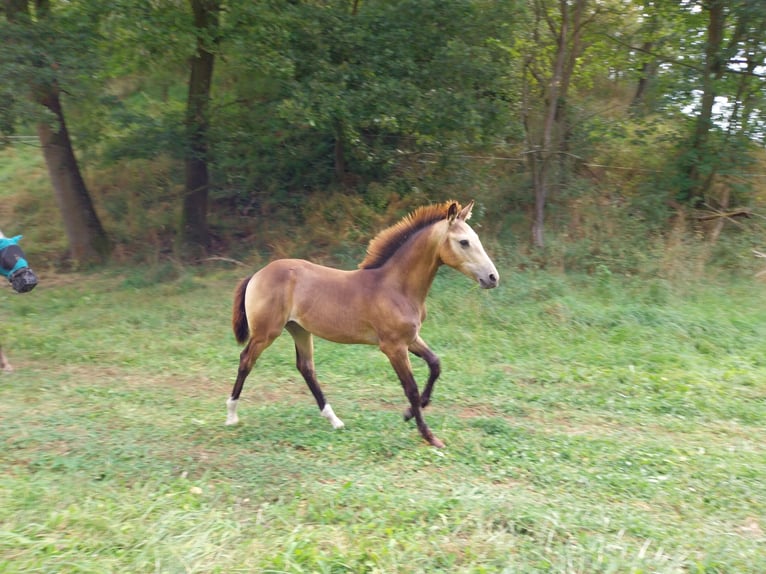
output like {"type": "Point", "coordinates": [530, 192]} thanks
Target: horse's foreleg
{"type": "Point", "coordinates": [400, 361]}
{"type": "Point", "coordinates": [304, 361]}
{"type": "Point", "coordinates": [247, 359]}
{"type": "Point", "coordinates": [420, 349]}
{"type": "Point", "coordinates": [5, 364]}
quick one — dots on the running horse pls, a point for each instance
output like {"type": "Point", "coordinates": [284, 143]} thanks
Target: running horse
{"type": "Point", "coordinates": [14, 266]}
{"type": "Point", "coordinates": [381, 303]}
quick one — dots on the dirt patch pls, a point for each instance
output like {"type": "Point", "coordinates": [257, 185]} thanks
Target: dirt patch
{"type": "Point", "coordinates": [479, 411]}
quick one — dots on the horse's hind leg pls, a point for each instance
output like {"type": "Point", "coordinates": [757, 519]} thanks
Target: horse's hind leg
{"type": "Point", "coordinates": [304, 361]}
{"type": "Point", "coordinates": [247, 359]}
{"type": "Point", "coordinates": [420, 349]}
{"type": "Point", "coordinates": [5, 364]}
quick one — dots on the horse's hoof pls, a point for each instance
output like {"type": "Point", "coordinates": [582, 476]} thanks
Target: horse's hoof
{"type": "Point", "coordinates": [435, 442]}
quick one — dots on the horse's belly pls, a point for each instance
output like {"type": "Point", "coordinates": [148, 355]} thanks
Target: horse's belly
{"type": "Point", "coordinates": [339, 327]}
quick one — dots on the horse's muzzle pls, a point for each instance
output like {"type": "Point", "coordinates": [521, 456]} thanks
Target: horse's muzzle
{"type": "Point", "coordinates": [489, 282]}
{"type": "Point", "coordinates": [23, 280]}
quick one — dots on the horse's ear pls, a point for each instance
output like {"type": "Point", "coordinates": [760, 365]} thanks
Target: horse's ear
{"type": "Point", "coordinates": [452, 212]}
{"type": "Point", "coordinates": [465, 213]}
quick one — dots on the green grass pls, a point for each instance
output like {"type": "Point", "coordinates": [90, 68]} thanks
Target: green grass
{"type": "Point", "coordinates": [593, 424]}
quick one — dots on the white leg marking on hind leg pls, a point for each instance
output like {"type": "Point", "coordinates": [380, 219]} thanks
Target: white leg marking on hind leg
{"type": "Point", "coordinates": [231, 412]}
{"type": "Point", "coordinates": [329, 414]}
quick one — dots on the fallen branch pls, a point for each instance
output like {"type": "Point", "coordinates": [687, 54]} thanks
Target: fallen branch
{"type": "Point", "coordinates": [224, 259]}
{"type": "Point", "coordinates": [743, 212]}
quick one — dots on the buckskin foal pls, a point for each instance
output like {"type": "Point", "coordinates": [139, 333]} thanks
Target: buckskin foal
{"type": "Point", "coordinates": [382, 303]}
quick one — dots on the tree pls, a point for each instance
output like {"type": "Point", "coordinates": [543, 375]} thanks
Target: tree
{"type": "Point", "coordinates": [713, 69]}
{"type": "Point", "coordinates": [547, 77]}
{"type": "Point", "coordinates": [651, 37]}
{"type": "Point", "coordinates": [194, 229]}
{"type": "Point", "coordinates": [342, 92]}
{"type": "Point", "coordinates": [733, 49]}
{"type": "Point", "coordinates": [31, 33]}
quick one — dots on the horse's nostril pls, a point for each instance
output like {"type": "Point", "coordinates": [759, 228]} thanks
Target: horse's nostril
{"type": "Point", "coordinates": [492, 278]}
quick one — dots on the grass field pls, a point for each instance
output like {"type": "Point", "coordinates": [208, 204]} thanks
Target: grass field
{"type": "Point", "coordinates": [593, 424]}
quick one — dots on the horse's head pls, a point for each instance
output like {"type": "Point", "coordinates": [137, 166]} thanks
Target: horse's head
{"type": "Point", "coordinates": [462, 249]}
{"type": "Point", "coordinates": [14, 266]}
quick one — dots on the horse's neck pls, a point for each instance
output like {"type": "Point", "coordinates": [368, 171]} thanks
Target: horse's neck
{"type": "Point", "coordinates": [414, 266]}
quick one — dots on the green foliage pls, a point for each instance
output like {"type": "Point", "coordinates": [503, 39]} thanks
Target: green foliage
{"type": "Point", "coordinates": [307, 85]}
{"type": "Point", "coordinates": [400, 103]}
{"type": "Point", "coordinates": [594, 424]}
{"type": "Point", "coordinates": [60, 46]}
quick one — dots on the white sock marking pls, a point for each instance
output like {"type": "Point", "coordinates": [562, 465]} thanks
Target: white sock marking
{"type": "Point", "coordinates": [231, 412]}
{"type": "Point", "coordinates": [329, 414]}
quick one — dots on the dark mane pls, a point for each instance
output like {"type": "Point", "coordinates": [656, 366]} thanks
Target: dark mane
{"type": "Point", "coordinates": [387, 242]}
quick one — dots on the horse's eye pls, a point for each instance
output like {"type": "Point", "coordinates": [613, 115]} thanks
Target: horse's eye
{"type": "Point", "coordinates": [464, 242]}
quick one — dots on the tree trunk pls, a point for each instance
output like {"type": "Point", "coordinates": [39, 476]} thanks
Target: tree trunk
{"type": "Point", "coordinates": [714, 66]}
{"type": "Point", "coordinates": [723, 206]}
{"type": "Point", "coordinates": [339, 153]}
{"type": "Point", "coordinates": [573, 48]}
{"type": "Point", "coordinates": [195, 237]}
{"type": "Point", "coordinates": [646, 75]}
{"type": "Point", "coordinates": [649, 67]}
{"type": "Point", "coordinates": [540, 185]}
{"type": "Point", "coordinates": [540, 157]}
{"type": "Point", "coordinates": [87, 240]}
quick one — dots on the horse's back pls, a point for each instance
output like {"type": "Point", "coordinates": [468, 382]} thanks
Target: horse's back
{"type": "Point", "coordinates": [295, 276]}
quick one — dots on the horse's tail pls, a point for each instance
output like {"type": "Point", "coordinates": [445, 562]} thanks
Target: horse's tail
{"type": "Point", "coordinates": [239, 317]}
